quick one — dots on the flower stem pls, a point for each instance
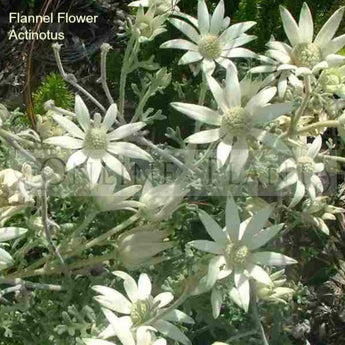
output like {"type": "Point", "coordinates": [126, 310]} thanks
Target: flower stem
{"type": "Point", "coordinates": [105, 47]}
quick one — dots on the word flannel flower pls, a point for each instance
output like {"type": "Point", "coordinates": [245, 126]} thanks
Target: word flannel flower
{"type": "Point", "coordinates": [235, 247]}
{"type": "Point", "coordinates": [7, 234]}
{"type": "Point", "coordinates": [210, 42]}
{"type": "Point", "coordinates": [141, 307]}
{"type": "Point", "coordinates": [162, 6]}
{"type": "Point", "coordinates": [302, 170]}
{"type": "Point", "coordinates": [304, 52]}
{"type": "Point", "coordinates": [143, 335]}
{"type": "Point", "coordinates": [94, 144]}
{"type": "Point", "coordinates": [237, 121]}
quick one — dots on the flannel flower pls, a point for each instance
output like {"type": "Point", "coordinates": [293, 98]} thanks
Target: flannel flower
{"type": "Point", "coordinates": [7, 234]}
{"type": "Point", "coordinates": [211, 43]}
{"type": "Point", "coordinates": [140, 308]}
{"type": "Point", "coordinates": [235, 246]}
{"type": "Point", "coordinates": [304, 51]}
{"type": "Point", "coordinates": [240, 119]}
{"type": "Point", "coordinates": [162, 6]}
{"type": "Point", "coordinates": [94, 144]}
{"type": "Point", "coordinates": [143, 335]}
{"type": "Point", "coordinates": [301, 172]}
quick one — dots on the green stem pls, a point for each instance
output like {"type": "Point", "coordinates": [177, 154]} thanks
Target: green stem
{"type": "Point", "coordinates": [105, 47]}
{"type": "Point", "coordinates": [332, 158]}
{"type": "Point", "coordinates": [256, 317]}
{"type": "Point", "coordinates": [330, 123]}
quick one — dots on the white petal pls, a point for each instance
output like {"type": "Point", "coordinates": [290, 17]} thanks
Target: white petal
{"type": "Point", "coordinates": [217, 18]}
{"type": "Point", "coordinates": [129, 284]}
{"type": "Point", "coordinates": [77, 158]}
{"type": "Point", "coordinates": [263, 236]}
{"type": "Point", "coordinates": [208, 66]}
{"type": "Point", "coordinates": [316, 181]}
{"type": "Point", "coordinates": [115, 165]}
{"type": "Point", "coordinates": [110, 116]}
{"type": "Point", "coordinates": [272, 112]}
{"type": "Point", "coordinates": [178, 316]}
{"type": "Point", "coordinates": [171, 331]}
{"type": "Point", "coordinates": [216, 302]}
{"type": "Point", "coordinates": [214, 267]}
{"type": "Point", "coordinates": [272, 259]}
{"type": "Point", "coordinates": [239, 156]}
{"type": "Point", "coordinates": [290, 26]}
{"type": "Point", "coordinates": [282, 47]}
{"type": "Point", "coordinates": [94, 169]}
{"type": "Point", "coordinates": [263, 69]}
{"type": "Point", "coordinates": [279, 56]}
{"type": "Point", "coordinates": [10, 233]}
{"type": "Point", "coordinates": [96, 342]}
{"type": "Point", "coordinates": [207, 246]}
{"type": "Point", "coordinates": [204, 137]}
{"type": "Point", "coordinates": [122, 332]}
{"type": "Point", "coordinates": [270, 140]}
{"type": "Point", "coordinates": [129, 150]}
{"type": "Point", "coordinates": [190, 57]}
{"type": "Point", "coordinates": [260, 100]}
{"type": "Point", "coordinates": [163, 298]}
{"type": "Point", "coordinates": [329, 29]}
{"type": "Point", "coordinates": [218, 93]}
{"type": "Point", "coordinates": [290, 179]}
{"type": "Point", "coordinates": [5, 259]}
{"type": "Point", "coordinates": [214, 230]}
{"type": "Point", "coordinates": [306, 25]}
{"type": "Point", "coordinates": [232, 219]}
{"type": "Point", "coordinates": [259, 274]}
{"type": "Point", "coordinates": [82, 113]}
{"type": "Point", "coordinates": [319, 167]}
{"type": "Point", "coordinates": [242, 285]}
{"type": "Point", "coordinates": [239, 41]}
{"type": "Point", "coordinates": [223, 151]}
{"type": "Point", "coordinates": [299, 194]}
{"type": "Point", "coordinates": [256, 223]}
{"type": "Point", "coordinates": [69, 126]}
{"type": "Point", "coordinates": [112, 299]}
{"type": "Point", "coordinates": [232, 88]}
{"type": "Point", "coordinates": [180, 44]}
{"type": "Point", "coordinates": [239, 52]}
{"type": "Point", "coordinates": [234, 31]}
{"type": "Point", "coordinates": [199, 113]}
{"type": "Point", "coordinates": [144, 286]}
{"type": "Point", "coordinates": [65, 142]}
{"type": "Point", "coordinates": [334, 46]}
{"type": "Point", "coordinates": [203, 18]}
{"type": "Point", "coordinates": [311, 191]}
{"type": "Point", "coordinates": [282, 84]}
{"type": "Point", "coordinates": [315, 147]}
{"type": "Point", "coordinates": [185, 28]}
{"type": "Point", "coordinates": [125, 131]}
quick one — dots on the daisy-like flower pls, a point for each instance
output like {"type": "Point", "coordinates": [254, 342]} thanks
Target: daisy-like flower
{"type": "Point", "coordinates": [141, 307]}
{"type": "Point", "coordinates": [7, 234]}
{"type": "Point", "coordinates": [94, 144]}
{"type": "Point", "coordinates": [149, 25]}
{"type": "Point", "coordinates": [141, 245]}
{"type": "Point", "coordinates": [304, 51]}
{"type": "Point", "coordinates": [143, 335]}
{"type": "Point", "coordinates": [107, 200]}
{"type": "Point", "coordinates": [236, 121]}
{"type": "Point", "coordinates": [301, 172]}
{"type": "Point", "coordinates": [235, 247]}
{"type": "Point", "coordinates": [211, 44]}
{"type": "Point", "coordinates": [162, 6]}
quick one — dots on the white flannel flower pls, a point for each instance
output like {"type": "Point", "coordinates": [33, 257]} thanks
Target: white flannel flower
{"type": "Point", "coordinates": [94, 144]}
{"type": "Point", "coordinates": [304, 51]}
{"type": "Point", "coordinates": [143, 335]}
{"type": "Point", "coordinates": [162, 6]}
{"type": "Point", "coordinates": [240, 121]}
{"type": "Point", "coordinates": [148, 25]}
{"type": "Point", "coordinates": [7, 234]}
{"type": "Point", "coordinates": [211, 43]}
{"type": "Point", "coordinates": [235, 246]}
{"type": "Point", "coordinates": [108, 200]}
{"type": "Point", "coordinates": [141, 307]}
{"type": "Point", "coordinates": [301, 172]}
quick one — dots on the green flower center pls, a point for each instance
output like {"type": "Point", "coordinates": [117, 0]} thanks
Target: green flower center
{"type": "Point", "coordinates": [145, 29]}
{"type": "Point", "coordinates": [235, 122]}
{"type": "Point", "coordinates": [209, 47]}
{"type": "Point", "coordinates": [141, 311]}
{"type": "Point", "coordinates": [306, 55]}
{"type": "Point", "coordinates": [95, 139]}
{"type": "Point", "coordinates": [236, 255]}
{"type": "Point", "coordinates": [306, 166]}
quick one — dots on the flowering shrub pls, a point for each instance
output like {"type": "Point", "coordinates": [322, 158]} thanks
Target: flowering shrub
{"type": "Point", "coordinates": [207, 237]}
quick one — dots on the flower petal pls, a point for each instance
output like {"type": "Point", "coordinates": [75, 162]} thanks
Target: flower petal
{"type": "Point", "coordinates": [125, 131]}
{"type": "Point", "coordinates": [259, 274]}
{"type": "Point", "coordinates": [94, 169]}
{"type": "Point", "coordinates": [144, 286]}
{"type": "Point", "coordinates": [69, 126]}
{"type": "Point", "coordinates": [232, 220]}
{"type": "Point", "coordinates": [77, 158]}
{"type": "Point", "coordinates": [272, 259]}
{"type": "Point", "coordinates": [232, 88]}
{"type": "Point", "coordinates": [82, 113]}
{"type": "Point", "coordinates": [190, 57]}
{"type": "Point", "coordinates": [112, 299]}
{"type": "Point", "coordinates": [212, 227]}
{"type": "Point", "coordinates": [178, 316]}
{"type": "Point", "coordinates": [180, 44]}
{"type": "Point", "coordinates": [290, 26]}
{"type": "Point", "coordinates": [208, 66]}
{"type": "Point", "coordinates": [223, 151]}
{"type": "Point", "coordinates": [234, 31]}
{"type": "Point", "coordinates": [239, 156]}
{"type": "Point", "coordinates": [299, 194]}
{"type": "Point", "coordinates": [263, 236]}
{"type": "Point", "coordinates": [10, 233]}
{"type": "Point", "coordinates": [129, 284]}
{"type": "Point", "coordinates": [207, 246]}
{"type": "Point", "coordinates": [315, 147]}
{"type": "Point", "coordinates": [290, 179]}
{"type": "Point", "coordinates": [65, 142]}
{"type": "Point", "coordinates": [242, 285]}
{"type": "Point", "coordinates": [185, 28]}
{"type": "Point", "coordinates": [216, 302]}
{"type": "Point", "coordinates": [271, 112]}
{"type": "Point", "coordinates": [110, 116]}
{"type": "Point", "coordinates": [217, 93]}
{"type": "Point", "coordinates": [217, 18]}
{"type": "Point", "coordinates": [204, 137]}
{"type": "Point", "coordinates": [115, 165]}
{"type": "Point", "coordinates": [306, 25]}
{"type": "Point", "coordinates": [203, 18]}
{"type": "Point", "coordinates": [129, 150]}
{"type": "Point", "coordinates": [163, 298]}
{"type": "Point", "coordinates": [213, 270]}
{"type": "Point", "coordinates": [171, 331]}
{"type": "Point", "coordinates": [260, 100]}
